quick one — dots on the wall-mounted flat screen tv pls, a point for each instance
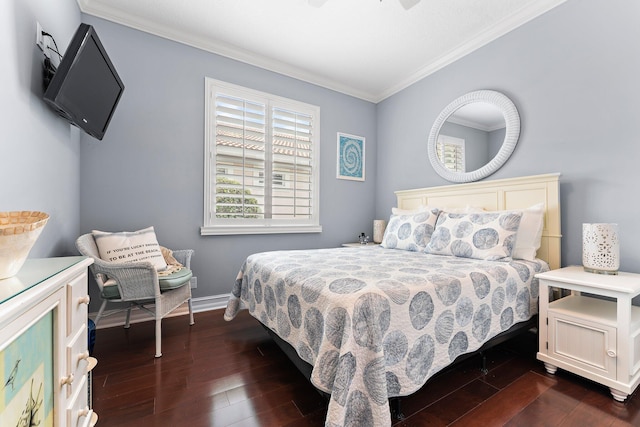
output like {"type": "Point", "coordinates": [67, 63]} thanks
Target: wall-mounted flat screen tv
{"type": "Point", "coordinates": [85, 88]}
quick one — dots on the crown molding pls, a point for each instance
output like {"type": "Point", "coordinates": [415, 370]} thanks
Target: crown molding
{"type": "Point", "coordinates": [222, 49]}
{"type": "Point", "coordinates": [526, 14]}
{"type": "Point", "coordinates": [531, 11]}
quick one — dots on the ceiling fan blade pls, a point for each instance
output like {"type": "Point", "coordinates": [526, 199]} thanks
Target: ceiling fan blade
{"type": "Point", "coordinates": [317, 3]}
{"type": "Point", "coordinates": [407, 4]}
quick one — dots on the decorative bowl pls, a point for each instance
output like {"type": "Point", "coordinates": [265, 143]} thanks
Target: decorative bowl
{"type": "Point", "coordinates": [19, 230]}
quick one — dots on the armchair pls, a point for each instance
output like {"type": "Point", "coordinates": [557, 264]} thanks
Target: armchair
{"type": "Point", "coordinates": [138, 283]}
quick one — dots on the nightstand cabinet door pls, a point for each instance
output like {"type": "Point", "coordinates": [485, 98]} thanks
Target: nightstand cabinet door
{"type": "Point", "coordinates": [583, 344]}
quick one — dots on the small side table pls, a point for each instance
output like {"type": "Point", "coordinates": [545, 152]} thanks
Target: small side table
{"type": "Point", "coordinates": [592, 337]}
{"type": "Point", "coordinates": [358, 245]}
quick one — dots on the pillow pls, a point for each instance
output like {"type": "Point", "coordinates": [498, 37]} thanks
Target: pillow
{"type": "Point", "coordinates": [398, 211]}
{"type": "Point", "coordinates": [410, 232]}
{"type": "Point", "coordinates": [529, 233]}
{"type": "Point", "coordinates": [466, 209]}
{"type": "Point", "coordinates": [482, 235]}
{"type": "Point", "coordinates": [423, 208]}
{"type": "Point", "coordinates": [130, 246]}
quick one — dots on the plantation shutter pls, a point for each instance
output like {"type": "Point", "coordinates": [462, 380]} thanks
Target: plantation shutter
{"type": "Point", "coordinates": [262, 165]}
{"type": "Point", "coordinates": [291, 183]}
{"type": "Point", "coordinates": [451, 152]}
{"type": "Point", "coordinates": [240, 157]}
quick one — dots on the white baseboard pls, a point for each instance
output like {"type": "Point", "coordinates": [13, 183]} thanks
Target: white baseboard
{"type": "Point", "coordinates": [111, 318]}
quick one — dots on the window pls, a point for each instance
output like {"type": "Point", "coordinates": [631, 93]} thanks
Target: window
{"type": "Point", "coordinates": [262, 162]}
{"type": "Point", "coordinates": [451, 152]}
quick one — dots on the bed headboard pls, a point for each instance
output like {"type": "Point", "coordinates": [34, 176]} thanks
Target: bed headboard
{"type": "Point", "coordinates": [510, 193]}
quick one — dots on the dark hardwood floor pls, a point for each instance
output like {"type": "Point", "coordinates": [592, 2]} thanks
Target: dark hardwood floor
{"type": "Point", "coordinates": [218, 373]}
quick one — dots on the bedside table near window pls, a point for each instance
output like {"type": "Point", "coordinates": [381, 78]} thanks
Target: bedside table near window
{"type": "Point", "coordinates": [595, 338]}
{"type": "Point", "coordinates": [358, 245]}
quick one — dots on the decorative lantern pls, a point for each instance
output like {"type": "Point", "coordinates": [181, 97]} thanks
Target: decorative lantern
{"type": "Point", "coordinates": [600, 248]}
{"type": "Point", "coordinates": [379, 226]}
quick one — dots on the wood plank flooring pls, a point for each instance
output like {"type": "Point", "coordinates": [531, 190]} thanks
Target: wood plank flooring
{"type": "Point", "coordinates": [224, 374]}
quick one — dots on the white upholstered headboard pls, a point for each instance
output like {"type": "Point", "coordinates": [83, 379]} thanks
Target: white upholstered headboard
{"type": "Point", "coordinates": [510, 193]}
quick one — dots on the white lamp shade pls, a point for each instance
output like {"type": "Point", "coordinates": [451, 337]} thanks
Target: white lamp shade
{"type": "Point", "coordinates": [600, 248]}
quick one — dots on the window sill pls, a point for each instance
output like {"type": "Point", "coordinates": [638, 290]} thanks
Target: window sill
{"type": "Point", "coordinates": [221, 230]}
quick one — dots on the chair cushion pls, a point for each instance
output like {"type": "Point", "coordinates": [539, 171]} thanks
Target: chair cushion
{"type": "Point", "coordinates": [167, 283]}
{"type": "Point", "coordinates": [175, 280]}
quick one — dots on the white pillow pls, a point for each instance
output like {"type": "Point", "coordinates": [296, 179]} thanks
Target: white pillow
{"type": "Point", "coordinates": [529, 233]}
{"type": "Point", "coordinates": [398, 211]}
{"type": "Point", "coordinates": [130, 246]}
{"type": "Point", "coordinates": [466, 209]}
{"type": "Point", "coordinates": [482, 235]}
{"type": "Point", "coordinates": [410, 232]}
{"type": "Point", "coordinates": [424, 208]}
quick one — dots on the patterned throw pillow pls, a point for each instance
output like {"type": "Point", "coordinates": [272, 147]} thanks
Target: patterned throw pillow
{"type": "Point", "coordinates": [483, 235]}
{"type": "Point", "coordinates": [410, 232]}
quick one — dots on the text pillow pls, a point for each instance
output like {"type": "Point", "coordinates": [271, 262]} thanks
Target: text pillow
{"type": "Point", "coordinates": [130, 246]}
{"type": "Point", "coordinates": [483, 235]}
{"type": "Point", "coordinates": [410, 232]}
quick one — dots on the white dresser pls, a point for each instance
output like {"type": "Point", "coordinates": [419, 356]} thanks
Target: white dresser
{"type": "Point", "coordinates": [44, 344]}
{"type": "Point", "coordinates": [596, 338]}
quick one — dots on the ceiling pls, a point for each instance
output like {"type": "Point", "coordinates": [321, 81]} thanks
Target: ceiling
{"type": "Point", "coordinates": [369, 49]}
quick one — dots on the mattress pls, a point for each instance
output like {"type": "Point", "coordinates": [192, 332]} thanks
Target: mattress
{"type": "Point", "coordinates": [378, 323]}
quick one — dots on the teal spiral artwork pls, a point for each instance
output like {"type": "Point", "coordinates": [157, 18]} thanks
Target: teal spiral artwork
{"type": "Point", "coordinates": [351, 157]}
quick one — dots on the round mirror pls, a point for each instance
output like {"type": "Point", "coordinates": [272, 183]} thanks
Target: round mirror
{"type": "Point", "coordinates": [474, 136]}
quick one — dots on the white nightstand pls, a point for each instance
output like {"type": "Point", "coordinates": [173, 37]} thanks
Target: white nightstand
{"type": "Point", "coordinates": [358, 245]}
{"type": "Point", "coordinates": [594, 338]}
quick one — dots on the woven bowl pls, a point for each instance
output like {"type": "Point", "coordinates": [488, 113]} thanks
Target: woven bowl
{"type": "Point", "coordinates": [19, 230]}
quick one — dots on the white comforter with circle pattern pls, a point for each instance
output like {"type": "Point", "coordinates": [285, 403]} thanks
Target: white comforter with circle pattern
{"type": "Point", "coordinates": [377, 323]}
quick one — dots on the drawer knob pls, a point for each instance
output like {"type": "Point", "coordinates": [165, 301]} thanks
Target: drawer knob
{"type": "Point", "coordinates": [611, 353]}
{"type": "Point", "coordinates": [84, 300]}
{"type": "Point", "coordinates": [66, 380]}
{"type": "Point", "coordinates": [83, 412]}
{"type": "Point", "coordinates": [83, 356]}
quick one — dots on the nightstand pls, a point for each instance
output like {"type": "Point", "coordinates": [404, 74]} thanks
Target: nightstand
{"type": "Point", "coordinates": [358, 245]}
{"type": "Point", "coordinates": [595, 338]}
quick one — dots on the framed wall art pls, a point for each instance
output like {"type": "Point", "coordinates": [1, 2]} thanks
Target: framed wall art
{"type": "Point", "coordinates": [351, 157]}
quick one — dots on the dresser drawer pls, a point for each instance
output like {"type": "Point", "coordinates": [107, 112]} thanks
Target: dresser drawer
{"type": "Point", "coordinates": [77, 303]}
{"type": "Point", "coordinates": [77, 359]}
{"type": "Point", "coordinates": [78, 411]}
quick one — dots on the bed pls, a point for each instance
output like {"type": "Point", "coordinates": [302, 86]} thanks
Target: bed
{"type": "Point", "coordinates": [369, 324]}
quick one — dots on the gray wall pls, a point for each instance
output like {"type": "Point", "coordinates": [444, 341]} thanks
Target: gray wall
{"type": "Point", "coordinates": [148, 169]}
{"type": "Point", "coordinates": [570, 73]}
{"type": "Point", "coordinates": [40, 152]}
{"type": "Point", "coordinates": [573, 74]}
